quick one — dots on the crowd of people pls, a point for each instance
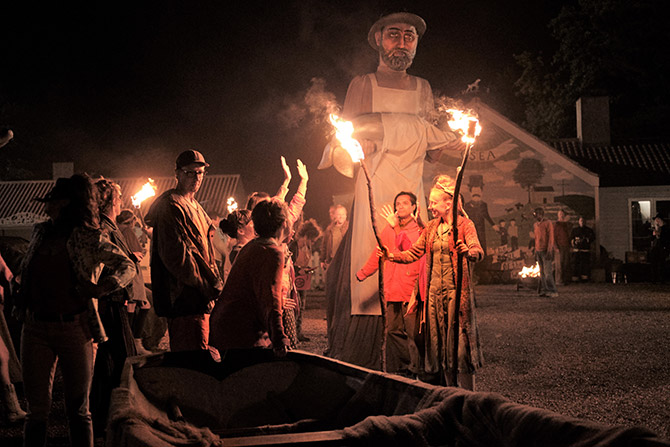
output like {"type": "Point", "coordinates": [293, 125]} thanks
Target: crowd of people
{"type": "Point", "coordinates": [239, 281]}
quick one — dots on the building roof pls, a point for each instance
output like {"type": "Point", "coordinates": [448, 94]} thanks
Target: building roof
{"type": "Point", "coordinates": [621, 165]}
{"type": "Point", "coordinates": [17, 207]}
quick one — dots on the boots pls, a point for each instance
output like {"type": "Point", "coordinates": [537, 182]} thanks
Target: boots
{"type": "Point", "coordinates": [13, 411]}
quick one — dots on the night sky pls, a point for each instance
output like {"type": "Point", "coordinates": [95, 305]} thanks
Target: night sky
{"type": "Point", "coordinates": [122, 90]}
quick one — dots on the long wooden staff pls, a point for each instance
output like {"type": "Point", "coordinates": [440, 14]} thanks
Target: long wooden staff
{"type": "Point", "coordinates": [459, 266]}
{"type": "Point", "coordinates": [382, 300]}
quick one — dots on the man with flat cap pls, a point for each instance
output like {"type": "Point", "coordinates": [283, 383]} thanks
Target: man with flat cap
{"type": "Point", "coordinates": [390, 111]}
{"type": "Point", "coordinates": [184, 276]}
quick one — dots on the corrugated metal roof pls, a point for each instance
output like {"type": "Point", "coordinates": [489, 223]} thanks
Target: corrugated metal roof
{"type": "Point", "coordinates": [17, 206]}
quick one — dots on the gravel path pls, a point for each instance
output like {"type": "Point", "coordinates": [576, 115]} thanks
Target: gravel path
{"type": "Point", "coordinates": [598, 351]}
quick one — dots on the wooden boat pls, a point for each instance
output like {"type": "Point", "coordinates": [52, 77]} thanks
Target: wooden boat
{"type": "Point", "coordinates": [250, 398]}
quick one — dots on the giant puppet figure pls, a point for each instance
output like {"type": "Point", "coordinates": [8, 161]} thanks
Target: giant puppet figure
{"type": "Point", "coordinates": [390, 110]}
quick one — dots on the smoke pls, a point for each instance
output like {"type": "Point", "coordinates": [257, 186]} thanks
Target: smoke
{"type": "Point", "coordinates": [320, 102]}
{"type": "Point", "coordinates": [307, 107]}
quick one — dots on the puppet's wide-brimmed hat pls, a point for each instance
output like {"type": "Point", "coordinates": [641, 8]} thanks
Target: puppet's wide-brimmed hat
{"type": "Point", "coordinates": [397, 17]}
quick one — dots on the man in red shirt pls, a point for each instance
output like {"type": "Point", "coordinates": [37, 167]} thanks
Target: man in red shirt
{"type": "Point", "coordinates": [544, 253]}
{"type": "Point", "coordinates": [402, 355]}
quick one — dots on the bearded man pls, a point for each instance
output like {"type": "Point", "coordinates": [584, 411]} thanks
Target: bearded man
{"type": "Point", "coordinates": [390, 110]}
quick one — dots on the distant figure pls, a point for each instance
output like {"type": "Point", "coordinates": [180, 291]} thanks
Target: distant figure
{"type": "Point", "coordinates": [513, 232]}
{"type": "Point", "coordinates": [562, 231]}
{"type": "Point", "coordinates": [543, 232]}
{"type": "Point", "coordinates": [332, 236]}
{"type": "Point", "coordinates": [660, 249]}
{"type": "Point", "coordinates": [502, 229]}
{"type": "Point", "coordinates": [478, 210]}
{"type": "Point", "coordinates": [184, 275]}
{"type": "Point", "coordinates": [581, 240]}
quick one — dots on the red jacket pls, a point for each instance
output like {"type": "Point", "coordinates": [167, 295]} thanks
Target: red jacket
{"type": "Point", "coordinates": [399, 279]}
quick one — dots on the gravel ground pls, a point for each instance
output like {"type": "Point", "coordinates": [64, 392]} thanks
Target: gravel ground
{"type": "Point", "coordinates": [598, 352]}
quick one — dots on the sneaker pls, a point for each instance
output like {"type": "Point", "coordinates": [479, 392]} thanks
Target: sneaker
{"type": "Point", "coordinates": [552, 295]}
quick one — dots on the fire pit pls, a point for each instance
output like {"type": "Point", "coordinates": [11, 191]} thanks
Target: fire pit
{"type": "Point", "coordinates": [529, 277]}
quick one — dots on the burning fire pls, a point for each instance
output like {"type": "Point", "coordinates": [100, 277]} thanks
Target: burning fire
{"type": "Point", "coordinates": [231, 205]}
{"type": "Point", "coordinates": [530, 272]}
{"type": "Point", "coordinates": [343, 132]}
{"type": "Point", "coordinates": [148, 190]}
{"type": "Point", "coordinates": [465, 124]}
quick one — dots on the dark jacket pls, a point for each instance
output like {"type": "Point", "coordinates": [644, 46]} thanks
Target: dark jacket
{"type": "Point", "coordinates": [185, 279]}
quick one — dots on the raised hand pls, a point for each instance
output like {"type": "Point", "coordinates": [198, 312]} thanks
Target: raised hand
{"type": "Point", "coordinates": [302, 170]}
{"type": "Point", "coordinates": [390, 215]}
{"type": "Point", "coordinates": [287, 170]}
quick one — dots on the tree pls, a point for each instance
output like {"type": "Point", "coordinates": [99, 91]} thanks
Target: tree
{"type": "Point", "coordinates": [605, 47]}
{"type": "Point", "coordinates": [528, 173]}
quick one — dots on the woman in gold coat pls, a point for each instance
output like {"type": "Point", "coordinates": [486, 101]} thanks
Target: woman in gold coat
{"type": "Point", "coordinates": [437, 244]}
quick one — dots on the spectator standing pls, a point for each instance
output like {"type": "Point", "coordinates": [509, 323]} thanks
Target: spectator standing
{"type": "Point", "coordinates": [294, 211]}
{"type": "Point", "coordinates": [543, 232]}
{"type": "Point", "coordinates": [61, 271]}
{"type": "Point", "coordinates": [239, 228]}
{"type": "Point", "coordinates": [301, 249]}
{"type": "Point", "coordinates": [562, 231]}
{"type": "Point", "coordinates": [332, 236]}
{"type": "Point", "coordinates": [148, 329]}
{"type": "Point", "coordinates": [249, 313]}
{"type": "Point", "coordinates": [12, 410]}
{"type": "Point", "coordinates": [403, 230]}
{"type": "Point", "coordinates": [220, 241]}
{"type": "Point", "coordinates": [582, 239]}
{"type": "Point", "coordinates": [184, 275]}
{"type": "Point", "coordinates": [513, 233]}
{"type": "Point", "coordinates": [660, 249]}
{"type": "Point", "coordinates": [502, 229]}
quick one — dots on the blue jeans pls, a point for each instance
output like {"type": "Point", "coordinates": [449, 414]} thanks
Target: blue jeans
{"type": "Point", "coordinates": [547, 284]}
{"type": "Point", "coordinates": [43, 345]}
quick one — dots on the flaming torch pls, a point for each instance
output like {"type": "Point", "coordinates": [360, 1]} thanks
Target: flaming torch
{"type": "Point", "coordinates": [343, 132]}
{"type": "Point", "coordinates": [231, 204]}
{"type": "Point", "coordinates": [468, 126]}
{"type": "Point", "coordinates": [147, 190]}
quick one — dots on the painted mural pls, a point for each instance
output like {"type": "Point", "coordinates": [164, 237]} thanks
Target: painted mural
{"type": "Point", "coordinates": [505, 180]}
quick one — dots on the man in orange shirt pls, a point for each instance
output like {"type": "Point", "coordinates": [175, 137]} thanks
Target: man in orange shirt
{"type": "Point", "coordinates": [544, 253]}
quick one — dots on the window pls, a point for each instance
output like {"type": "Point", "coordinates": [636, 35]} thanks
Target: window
{"type": "Point", "coordinates": [642, 213]}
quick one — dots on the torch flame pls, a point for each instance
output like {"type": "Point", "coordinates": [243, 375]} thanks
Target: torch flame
{"type": "Point", "coordinates": [343, 132]}
{"type": "Point", "coordinates": [231, 204]}
{"type": "Point", "coordinates": [148, 190]}
{"type": "Point", "coordinates": [465, 124]}
{"type": "Point", "coordinates": [532, 272]}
